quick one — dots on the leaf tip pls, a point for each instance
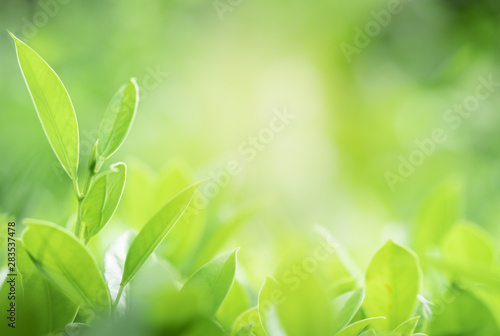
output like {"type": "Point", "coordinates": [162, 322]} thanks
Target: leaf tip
{"type": "Point", "coordinates": [16, 40]}
{"type": "Point", "coordinates": [133, 81]}
{"type": "Point", "coordinates": [118, 165]}
{"type": "Point", "coordinates": [12, 35]}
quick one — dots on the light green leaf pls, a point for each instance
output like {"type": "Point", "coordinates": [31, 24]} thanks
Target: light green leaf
{"type": "Point", "coordinates": [155, 231]}
{"type": "Point", "coordinates": [469, 253]}
{"type": "Point", "coordinates": [345, 307]}
{"type": "Point", "coordinates": [117, 119]}
{"type": "Point", "coordinates": [355, 328]}
{"type": "Point", "coordinates": [270, 296]}
{"type": "Point", "coordinates": [138, 202]}
{"type": "Point", "coordinates": [212, 282]}
{"type": "Point", "coordinates": [392, 285]}
{"type": "Point", "coordinates": [460, 312]}
{"type": "Point", "coordinates": [472, 272]}
{"type": "Point", "coordinates": [53, 105]}
{"type": "Point", "coordinates": [490, 297]}
{"type": "Point", "coordinates": [339, 266]}
{"type": "Point", "coordinates": [467, 243]}
{"type": "Point", "coordinates": [203, 326]}
{"type": "Point", "coordinates": [220, 234]}
{"type": "Point", "coordinates": [343, 286]}
{"type": "Point", "coordinates": [249, 316]}
{"type": "Point", "coordinates": [102, 200]}
{"type": "Point", "coordinates": [45, 307]}
{"type": "Point", "coordinates": [306, 309]}
{"type": "Point", "coordinates": [236, 302]}
{"type": "Point", "coordinates": [406, 328]}
{"type": "Point", "coordinates": [246, 330]}
{"type": "Point", "coordinates": [114, 261]}
{"type": "Point", "coordinates": [185, 236]}
{"type": "Point", "coordinates": [370, 332]}
{"type": "Point", "coordinates": [66, 262]}
{"type": "Point", "coordinates": [76, 329]}
{"type": "Point", "coordinates": [439, 212]}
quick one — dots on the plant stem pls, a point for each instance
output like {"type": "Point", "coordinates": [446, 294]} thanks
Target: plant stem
{"type": "Point", "coordinates": [118, 297]}
{"type": "Point", "coordinates": [79, 229]}
{"type": "Point", "coordinates": [78, 226]}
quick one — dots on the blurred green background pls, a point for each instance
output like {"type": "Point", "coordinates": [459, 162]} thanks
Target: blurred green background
{"type": "Point", "coordinates": [211, 78]}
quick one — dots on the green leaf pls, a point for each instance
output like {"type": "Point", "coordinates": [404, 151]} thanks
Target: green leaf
{"type": "Point", "coordinates": [236, 302]}
{"type": "Point", "coordinates": [306, 309]}
{"type": "Point", "coordinates": [118, 119]}
{"type": "Point", "coordinates": [270, 296]}
{"type": "Point", "coordinates": [212, 282]}
{"type": "Point", "coordinates": [53, 105]}
{"type": "Point", "coordinates": [467, 243]}
{"type": "Point", "coordinates": [490, 297]}
{"type": "Point", "coordinates": [357, 327]}
{"type": "Point", "coordinates": [246, 330]}
{"type": "Point", "coordinates": [370, 332]}
{"type": "Point", "coordinates": [406, 328]}
{"type": "Point", "coordinates": [460, 312]}
{"type": "Point", "coordinates": [249, 316]}
{"type": "Point", "coordinates": [185, 236]}
{"type": "Point", "coordinates": [203, 326]}
{"type": "Point", "coordinates": [339, 267]}
{"type": "Point", "coordinates": [345, 307]}
{"type": "Point", "coordinates": [45, 307]}
{"type": "Point", "coordinates": [138, 202]}
{"type": "Point", "coordinates": [77, 329]}
{"type": "Point", "coordinates": [154, 231]}
{"type": "Point", "coordinates": [472, 272]}
{"type": "Point", "coordinates": [66, 262]}
{"type": "Point", "coordinates": [102, 200]}
{"type": "Point", "coordinates": [220, 234]}
{"type": "Point", "coordinates": [392, 285]}
{"type": "Point", "coordinates": [439, 212]}
{"type": "Point", "coordinates": [114, 261]}
{"type": "Point", "coordinates": [470, 254]}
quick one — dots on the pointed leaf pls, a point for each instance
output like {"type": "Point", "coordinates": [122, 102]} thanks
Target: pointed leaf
{"type": "Point", "coordinates": [53, 105]}
{"type": "Point", "coordinates": [66, 262]}
{"type": "Point", "coordinates": [155, 231]}
{"type": "Point", "coordinates": [463, 313]}
{"type": "Point", "coordinates": [249, 316]}
{"type": "Point", "coordinates": [45, 307]}
{"type": "Point", "coordinates": [77, 329]}
{"type": "Point", "coordinates": [439, 212]}
{"type": "Point", "coordinates": [114, 261]}
{"type": "Point", "coordinates": [345, 307]}
{"type": "Point", "coordinates": [236, 302]}
{"type": "Point", "coordinates": [212, 282]}
{"type": "Point", "coordinates": [468, 244]}
{"type": "Point", "coordinates": [118, 119]}
{"type": "Point", "coordinates": [357, 327]}
{"type": "Point", "coordinates": [246, 330]}
{"type": "Point", "coordinates": [406, 328]}
{"type": "Point", "coordinates": [103, 198]}
{"type": "Point", "coordinates": [392, 285]}
{"type": "Point", "coordinates": [270, 296]}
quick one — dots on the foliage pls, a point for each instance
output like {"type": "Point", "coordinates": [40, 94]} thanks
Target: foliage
{"type": "Point", "coordinates": [449, 286]}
